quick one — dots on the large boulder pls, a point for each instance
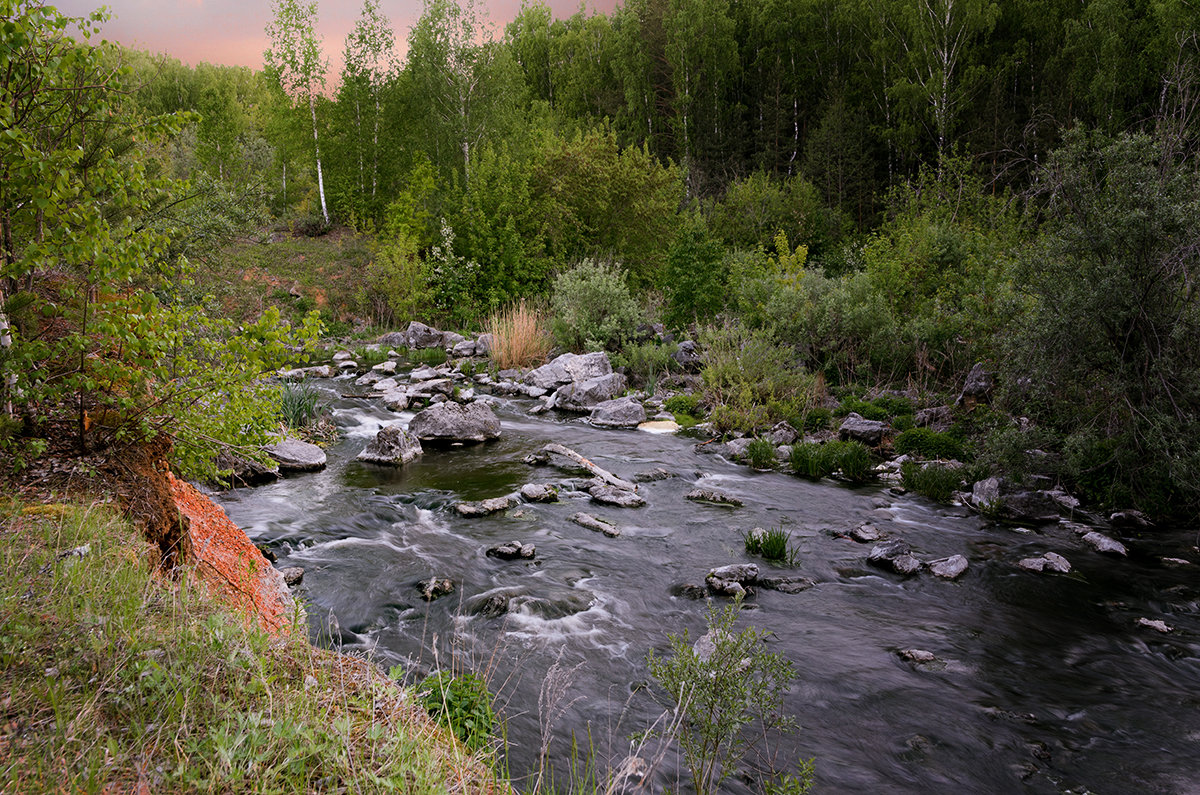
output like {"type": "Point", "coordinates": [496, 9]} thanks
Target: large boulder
{"type": "Point", "coordinates": [483, 345]}
{"type": "Point", "coordinates": [419, 336]}
{"type": "Point", "coordinates": [569, 368]}
{"type": "Point", "coordinates": [687, 356]}
{"type": "Point", "coordinates": [998, 498]}
{"type": "Point", "coordinates": [857, 429]}
{"type": "Point", "coordinates": [453, 422]}
{"type": "Point", "coordinates": [586, 395]}
{"type": "Point", "coordinates": [293, 455]}
{"type": "Point", "coordinates": [392, 446]}
{"type": "Point", "coordinates": [978, 388]}
{"type": "Point", "coordinates": [625, 412]}
{"type": "Point", "coordinates": [732, 580]}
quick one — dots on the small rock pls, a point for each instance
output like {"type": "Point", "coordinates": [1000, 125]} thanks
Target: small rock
{"type": "Point", "coordinates": [713, 496]}
{"type": "Point", "coordinates": [392, 446]}
{"type": "Point", "coordinates": [537, 492]}
{"type": "Point", "coordinates": [1104, 544]}
{"type": "Point", "coordinates": [732, 580]}
{"type": "Point", "coordinates": [387, 368]}
{"type": "Point", "coordinates": [513, 550]}
{"type": "Point", "coordinates": [1176, 562]}
{"type": "Point", "coordinates": [434, 587]}
{"type": "Point", "coordinates": [422, 373]}
{"type": "Point", "coordinates": [783, 433]}
{"type": "Point", "coordinates": [1130, 520]}
{"type": "Point", "coordinates": [917, 655]}
{"type": "Point", "coordinates": [623, 412]}
{"type": "Point", "coordinates": [342, 356]}
{"type": "Point", "coordinates": [895, 555]}
{"type": "Point", "coordinates": [266, 552]}
{"type": "Point", "coordinates": [347, 364]}
{"type": "Point", "coordinates": [789, 585]}
{"type": "Point", "coordinates": [652, 475]}
{"type": "Point", "coordinates": [1032, 564]}
{"type": "Point", "coordinates": [292, 576]}
{"type": "Point", "coordinates": [294, 455]}
{"type": "Point", "coordinates": [948, 568]}
{"type": "Point", "coordinates": [595, 523]}
{"type": "Point", "coordinates": [856, 428]}
{"type": "Point", "coordinates": [611, 495]}
{"type": "Point", "coordinates": [1156, 624]}
{"type": "Point", "coordinates": [865, 534]}
{"type": "Point", "coordinates": [484, 507]}
{"type": "Point", "coordinates": [1057, 563]}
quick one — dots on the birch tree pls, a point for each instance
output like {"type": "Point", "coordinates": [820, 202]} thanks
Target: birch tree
{"type": "Point", "coordinates": [370, 63]}
{"type": "Point", "coordinates": [296, 61]}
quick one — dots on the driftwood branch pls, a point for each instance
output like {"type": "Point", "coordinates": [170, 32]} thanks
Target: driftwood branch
{"type": "Point", "coordinates": [603, 474]}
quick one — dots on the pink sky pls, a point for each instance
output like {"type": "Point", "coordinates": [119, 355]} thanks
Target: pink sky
{"type": "Point", "coordinates": [231, 31]}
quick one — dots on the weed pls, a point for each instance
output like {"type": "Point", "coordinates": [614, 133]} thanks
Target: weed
{"type": "Point", "coordinates": [811, 460]}
{"type": "Point", "coordinates": [299, 405]}
{"type": "Point", "coordinates": [519, 336]}
{"type": "Point", "coordinates": [682, 404]}
{"type": "Point", "coordinates": [927, 444]}
{"type": "Point", "coordinates": [854, 461]}
{"type": "Point", "coordinates": [773, 544]}
{"type": "Point", "coordinates": [761, 454]}
{"type": "Point", "coordinates": [461, 703]}
{"type": "Point", "coordinates": [430, 356]}
{"type": "Point", "coordinates": [938, 483]}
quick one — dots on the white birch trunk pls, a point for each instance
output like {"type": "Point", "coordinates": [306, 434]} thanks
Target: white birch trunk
{"type": "Point", "coordinates": [312, 107]}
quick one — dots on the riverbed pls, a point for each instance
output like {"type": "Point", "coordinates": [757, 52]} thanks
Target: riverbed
{"type": "Point", "coordinates": [1041, 682]}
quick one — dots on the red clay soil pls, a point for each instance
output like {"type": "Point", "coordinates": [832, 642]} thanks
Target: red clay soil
{"type": "Point", "coordinates": [233, 569]}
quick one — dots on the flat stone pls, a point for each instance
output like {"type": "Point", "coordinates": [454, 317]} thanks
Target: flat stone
{"type": "Point", "coordinates": [1156, 624]}
{"type": "Point", "coordinates": [950, 568]}
{"type": "Point", "coordinates": [1103, 544]}
{"type": "Point", "coordinates": [611, 495]}
{"type": "Point", "coordinates": [294, 455]}
{"type": "Point", "coordinates": [623, 412]}
{"type": "Point", "coordinates": [917, 655]}
{"type": "Point", "coordinates": [713, 496]}
{"type": "Point", "coordinates": [387, 368]}
{"type": "Point", "coordinates": [651, 475]}
{"type": "Point", "coordinates": [595, 523]}
{"type": "Point", "coordinates": [1057, 563]}
{"type": "Point", "coordinates": [1032, 564]}
{"type": "Point", "coordinates": [788, 585]}
{"type": "Point", "coordinates": [865, 534]}
{"type": "Point", "coordinates": [485, 507]}
{"type": "Point", "coordinates": [855, 428]}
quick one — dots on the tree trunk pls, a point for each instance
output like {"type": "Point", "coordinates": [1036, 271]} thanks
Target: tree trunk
{"type": "Point", "coordinates": [312, 107]}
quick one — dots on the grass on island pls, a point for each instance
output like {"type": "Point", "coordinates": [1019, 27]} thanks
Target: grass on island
{"type": "Point", "coordinates": [115, 679]}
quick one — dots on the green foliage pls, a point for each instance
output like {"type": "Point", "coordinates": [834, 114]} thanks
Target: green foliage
{"type": "Point", "coordinates": [812, 460]}
{"type": "Point", "coordinates": [866, 410]}
{"type": "Point", "coordinates": [1109, 350]}
{"type": "Point", "coordinates": [761, 453]}
{"type": "Point", "coordinates": [774, 544]}
{"type": "Point", "coordinates": [682, 404]}
{"type": "Point", "coordinates": [938, 483]}
{"type": "Point", "coordinates": [817, 419]}
{"type": "Point", "coordinates": [751, 381]}
{"type": "Point", "coordinates": [853, 461]}
{"type": "Point", "coordinates": [927, 443]}
{"type": "Point", "coordinates": [170, 682]}
{"type": "Point", "coordinates": [299, 405]}
{"type": "Point", "coordinates": [736, 686]}
{"type": "Point", "coordinates": [646, 361]}
{"type": "Point", "coordinates": [695, 281]}
{"type": "Point", "coordinates": [593, 309]}
{"type": "Point", "coordinates": [756, 210]}
{"type": "Point", "coordinates": [461, 703]}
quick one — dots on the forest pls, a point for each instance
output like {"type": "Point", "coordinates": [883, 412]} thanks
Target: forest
{"type": "Point", "coordinates": [852, 196]}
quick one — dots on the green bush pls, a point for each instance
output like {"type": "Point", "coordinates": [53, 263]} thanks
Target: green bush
{"type": "Point", "coordinates": [938, 483]}
{"type": "Point", "coordinates": [462, 704]}
{"type": "Point", "coordinates": [646, 362]}
{"type": "Point", "coordinates": [853, 460]}
{"type": "Point", "coordinates": [682, 404]}
{"type": "Point", "coordinates": [812, 460]}
{"type": "Point", "coordinates": [750, 380]}
{"type": "Point", "coordinates": [868, 411]}
{"type": "Point", "coordinates": [695, 276]}
{"type": "Point", "coordinates": [593, 308]}
{"type": "Point", "coordinates": [817, 419]}
{"type": "Point", "coordinates": [738, 686]}
{"type": "Point", "coordinates": [761, 454]}
{"type": "Point", "coordinates": [928, 443]}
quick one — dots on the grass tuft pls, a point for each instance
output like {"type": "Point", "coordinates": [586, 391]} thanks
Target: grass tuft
{"type": "Point", "coordinates": [519, 336]}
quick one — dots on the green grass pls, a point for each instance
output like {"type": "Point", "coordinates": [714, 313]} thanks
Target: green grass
{"type": "Point", "coordinates": [299, 405]}
{"type": "Point", "coordinates": [938, 483]}
{"type": "Point", "coordinates": [773, 544]}
{"type": "Point", "coordinates": [927, 443]}
{"type": "Point", "coordinates": [820, 460]}
{"type": "Point", "coordinates": [118, 678]}
{"type": "Point", "coordinates": [761, 454]}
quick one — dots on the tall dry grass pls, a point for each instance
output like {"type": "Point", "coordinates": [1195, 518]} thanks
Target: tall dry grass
{"type": "Point", "coordinates": [519, 336]}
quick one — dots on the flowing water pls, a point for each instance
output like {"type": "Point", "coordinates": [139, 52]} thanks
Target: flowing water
{"type": "Point", "coordinates": [1044, 683]}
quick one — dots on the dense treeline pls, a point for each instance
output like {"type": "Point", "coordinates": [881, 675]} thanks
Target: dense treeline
{"type": "Point", "coordinates": [882, 192]}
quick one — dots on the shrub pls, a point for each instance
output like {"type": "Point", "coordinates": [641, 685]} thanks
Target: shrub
{"type": "Point", "coordinates": [461, 703]}
{"type": "Point", "coordinates": [761, 454]}
{"type": "Point", "coordinates": [682, 404]}
{"type": "Point", "coordinates": [396, 285]}
{"type": "Point", "coordinates": [752, 381]}
{"type": "Point", "coordinates": [817, 419]}
{"type": "Point", "coordinates": [927, 444]}
{"type": "Point", "coordinates": [722, 693]}
{"type": "Point", "coordinates": [868, 411]}
{"type": "Point", "coordinates": [853, 460]}
{"type": "Point", "coordinates": [938, 483]}
{"type": "Point", "coordinates": [812, 460]}
{"type": "Point", "coordinates": [695, 275]}
{"type": "Point", "coordinates": [593, 308]}
{"type": "Point", "coordinates": [519, 336]}
{"type": "Point", "coordinates": [646, 362]}
{"type": "Point", "coordinates": [773, 544]}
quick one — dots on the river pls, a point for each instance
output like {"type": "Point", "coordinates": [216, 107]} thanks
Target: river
{"type": "Point", "coordinates": [1043, 682]}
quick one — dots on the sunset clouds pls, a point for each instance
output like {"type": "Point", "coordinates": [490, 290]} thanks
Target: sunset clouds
{"type": "Point", "coordinates": [231, 31]}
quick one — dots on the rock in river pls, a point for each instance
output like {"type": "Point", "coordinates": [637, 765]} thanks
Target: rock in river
{"type": "Point", "coordinates": [294, 455]}
{"type": "Point", "coordinates": [950, 568]}
{"type": "Point", "coordinates": [713, 496]}
{"type": "Point", "coordinates": [513, 550]}
{"type": "Point", "coordinates": [595, 523]}
{"type": "Point", "coordinates": [453, 422]}
{"type": "Point", "coordinates": [611, 495]}
{"type": "Point", "coordinates": [485, 507]}
{"type": "Point", "coordinates": [538, 492]}
{"type": "Point", "coordinates": [732, 580]}
{"type": "Point", "coordinates": [623, 412]}
{"type": "Point", "coordinates": [895, 555]}
{"type": "Point", "coordinates": [392, 446]}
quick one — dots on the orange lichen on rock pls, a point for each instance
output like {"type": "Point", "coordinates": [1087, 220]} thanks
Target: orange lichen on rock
{"type": "Point", "coordinates": [222, 558]}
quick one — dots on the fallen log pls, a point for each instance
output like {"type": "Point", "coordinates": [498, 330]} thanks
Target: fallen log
{"type": "Point", "coordinates": [554, 448]}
